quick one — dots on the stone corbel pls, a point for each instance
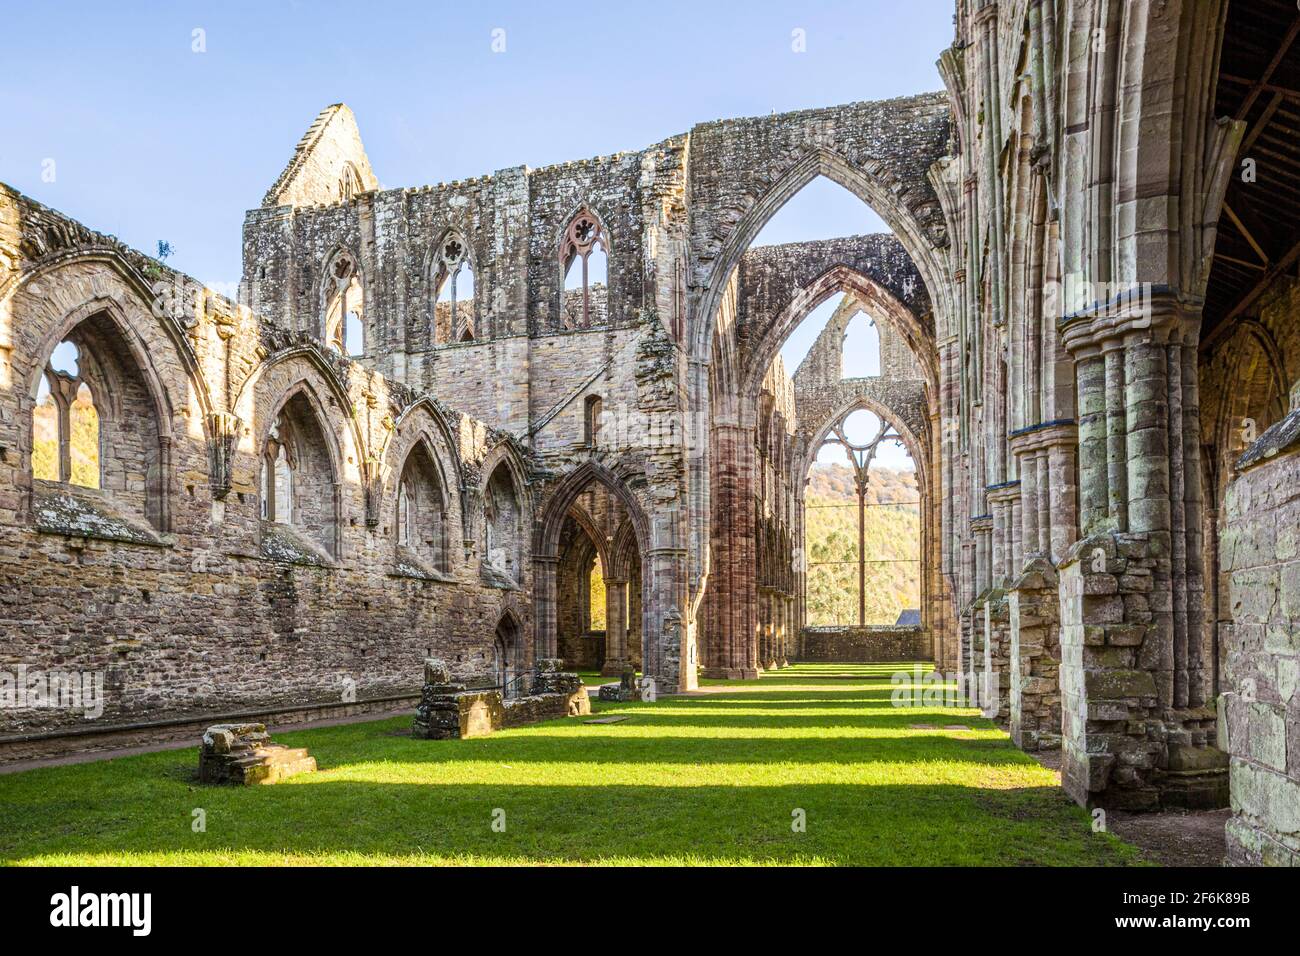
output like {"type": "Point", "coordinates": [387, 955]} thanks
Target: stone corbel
{"type": "Point", "coordinates": [375, 476]}
{"type": "Point", "coordinates": [223, 432]}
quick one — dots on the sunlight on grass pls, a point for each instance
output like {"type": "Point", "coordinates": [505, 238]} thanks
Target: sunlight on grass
{"type": "Point", "coordinates": [710, 778]}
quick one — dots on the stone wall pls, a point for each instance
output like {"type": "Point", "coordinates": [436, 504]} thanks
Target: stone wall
{"type": "Point", "coordinates": [863, 644]}
{"type": "Point", "coordinates": [1259, 715]}
{"type": "Point", "coordinates": [187, 603]}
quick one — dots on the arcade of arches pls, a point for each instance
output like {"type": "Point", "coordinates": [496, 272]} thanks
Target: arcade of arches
{"type": "Point", "coordinates": [543, 414]}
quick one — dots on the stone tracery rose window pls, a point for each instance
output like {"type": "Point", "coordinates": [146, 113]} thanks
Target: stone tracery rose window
{"type": "Point", "coordinates": [584, 258]}
{"type": "Point", "coordinates": [453, 283]}
{"type": "Point", "coordinates": [344, 325]}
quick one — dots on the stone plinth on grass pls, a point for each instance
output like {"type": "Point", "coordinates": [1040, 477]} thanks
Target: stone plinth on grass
{"type": "Point", "coordinates": [448, 711]}
{"type": "Point", "coordinates": [244, 754]}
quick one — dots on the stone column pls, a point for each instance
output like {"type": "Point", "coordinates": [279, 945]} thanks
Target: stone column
{"type": "Point", "coordinates": [616, 657]}
{"type": "Point", "coordinates": [1135, 730]}
{"type": "Point", "coordinates": [998, 662]}
{"type": "Point", "coordinates": [1035, 692]}
{"type": "Point", "coordinates": [634, 628]}
{"type": "Point", "coordinates": [1032, 602]}
{"type": "Point", "coordinates": [545, 610]}
{"type": "Point", "coordinates": [668, 644]}
{"type": "Point", "coordinates": [731, 650]}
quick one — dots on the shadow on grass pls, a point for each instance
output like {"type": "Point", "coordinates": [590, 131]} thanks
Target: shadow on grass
{"type": "Point", "coordinates": [683, 780]}
{"type": "Point", "coordinates": [322, 820]}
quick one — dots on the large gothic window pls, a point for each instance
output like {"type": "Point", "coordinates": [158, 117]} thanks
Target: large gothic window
{"type": "Point", "coordinates": [95, 423]}
{"type": "Point", "coordinates": [65, 432]}
{"type": "Point", "coordinates": [502, 525]}
{"type": "Point", "coordinates": [453, 283]}
{"type": "Point", "coordinates": [422, 512]}
{"type": "Point", "coordinates": [297, 478]}
{"type": "Point", "coordinates": [862, 525]}
{"type": "Point", "coordinates": [345, 307]}
{"type": "Point", "coordinates": [584, 259]}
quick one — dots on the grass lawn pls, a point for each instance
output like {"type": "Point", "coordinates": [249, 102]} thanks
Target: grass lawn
{"type": "Point", "coordinates": [712, 778]}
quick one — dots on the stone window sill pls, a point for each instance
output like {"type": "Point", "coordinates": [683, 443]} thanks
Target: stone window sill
{"type": "Point", "coordinates": [409, 565]}
{"type": "Point", "coordinates": [78, 512]}
{"type": "Point", "coordinates": [286, 545]}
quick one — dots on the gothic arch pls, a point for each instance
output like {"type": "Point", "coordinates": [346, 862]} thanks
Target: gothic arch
{"type": "Point", "coordinates": [324, 290]}
{"type": "Point", "coordinates": [622, 550]}
{"type": "Point", "coordinates": [842, 278]}
{"type": "Point", "coordinates": [434, 261]}
{"type": "Point", "coordinates": [443, 432]}
{"type": "Point", "coordinates": [565, 494]}
{"type": "Point", "coordinates": [872, 190]}
{"type": "Point", "coordinates": [504, 458]}
{"type": "Point", "coordinates": [245, 399]}
{"type": "Point", "coordinates": [147, 351]}
{"type": "Point", "coordinates": [132, 305]}
{"type": "Point", "coordinates": [915, 446]}
{"type": "Point", "coordinates": [504, 453]}
{"type": "Point", "coordinates": [323, 420]}
{"type": "Point", "coordinates": [572, 247]}
{"type": "Point", "coordinates": [546, 553]}
{"type": "Point", "coordinates": [103, 306]}
{"type": "Point", "coordinates": [584, 521]}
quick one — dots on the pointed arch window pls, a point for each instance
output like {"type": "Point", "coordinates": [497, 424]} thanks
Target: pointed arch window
{"type": "Point", "coordinates": [584, 259]}
{"type": "Point", "coordinates": [345, 309]}
{"type": "Point", "coordinates": [65, 434]}
{"type": "Point", "coordinates": [96, 423]}
{"type": "Point", "coordinates": [349, 183]}
{"type": "Point", "coordinates": [422, 521]}
{"type": "Point", "coordinates": [297, 483]}
{"type": "Point", "coordinates": [502, 524]}
{"type": "Point", "coordinates": [277, 474]}
{"type": "Point", "coordinates": [453, 284]}
{"type": "Point", "coordinates": [889, 580]}
{"type": "Point", "coordinates": [860, 348]}
{"type": "Point", "coordinates": [405, 513]}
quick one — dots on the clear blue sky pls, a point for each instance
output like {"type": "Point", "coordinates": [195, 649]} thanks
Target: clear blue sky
{"type": "Point", "coordinates": [153, 141]}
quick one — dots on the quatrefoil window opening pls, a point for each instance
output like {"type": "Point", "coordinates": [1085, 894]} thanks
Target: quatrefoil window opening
{"type": "Point", "coordinates": [583, 238]}
{"type": "Point", "coordinates": [344, 328]}
{"type": "Point", "coordinates": [453, 293]}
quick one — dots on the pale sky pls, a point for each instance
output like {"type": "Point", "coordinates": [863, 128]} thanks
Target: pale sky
{"type": "Point", "coordinates": [151, 140]}
{"type": "Point", "coordinates": [160, 120]}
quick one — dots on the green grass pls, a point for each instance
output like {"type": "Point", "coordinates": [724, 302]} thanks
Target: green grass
{"type": "Point", "coordinates": [712, 778]}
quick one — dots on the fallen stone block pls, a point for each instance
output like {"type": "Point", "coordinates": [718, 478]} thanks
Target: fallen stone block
{"type": "Point", "coordinates": [244, 754]}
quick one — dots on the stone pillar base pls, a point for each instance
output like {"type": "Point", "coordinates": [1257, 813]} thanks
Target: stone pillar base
{"type": "Point", "coordinates": [1122, 746]}
{"type": "Point", "coordinates": [1035, 658]}
{"type": "Point", "coordinates": [244, 754]}
{"type": "Point", "coordinates": [730, 673]}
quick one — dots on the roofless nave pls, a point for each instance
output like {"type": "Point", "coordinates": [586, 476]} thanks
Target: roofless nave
{"type": "Point", "coordinates": [435, 408]}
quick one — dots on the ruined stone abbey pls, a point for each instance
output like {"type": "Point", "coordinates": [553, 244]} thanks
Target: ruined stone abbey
{"type": "Point", "coordinates": [431, 411]}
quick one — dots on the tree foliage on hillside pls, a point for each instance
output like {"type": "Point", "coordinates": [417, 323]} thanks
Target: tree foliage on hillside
{"type": "Point", "coordinates": [892, 531]}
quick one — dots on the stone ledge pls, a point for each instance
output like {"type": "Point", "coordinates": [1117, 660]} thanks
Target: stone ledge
{"type": "Point", "coordinates": [89, 513]}
{"type": "Point", "coordinates": [1279, 437]}
{"type": "Point", "coordinates": [286, 545]}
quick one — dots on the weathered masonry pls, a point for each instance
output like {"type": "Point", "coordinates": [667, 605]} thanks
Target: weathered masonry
{"type": "Point", "coordinates": [433, 414]}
